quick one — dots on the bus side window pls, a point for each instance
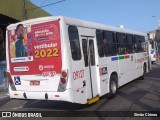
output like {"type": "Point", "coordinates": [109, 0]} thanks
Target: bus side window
{"type": "Point", "coordinates": [74, 42]}
{"type": "Point", "coordinates": [121, 43]}
{"type": "Point", "coordinates": [92, 54]}
{"type": "Point", "coordinates": [109, 43]}
{"type": "Point", "coordinates": [138, 42]}
{"type": "Point", "coordinates": [100, 43]}
{"type": "Point", "coordinates": [143, 44]}
{"type": "Point", "coordinates": [129, 43]}
{"type": "Point", "coordinates": [85, 52]}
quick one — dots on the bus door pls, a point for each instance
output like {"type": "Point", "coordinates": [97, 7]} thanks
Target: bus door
{"type": "Point", "coordinates": [90, 66]}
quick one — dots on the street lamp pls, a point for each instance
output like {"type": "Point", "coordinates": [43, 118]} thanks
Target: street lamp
{"type": "Point", "coordinates": [159, 23]}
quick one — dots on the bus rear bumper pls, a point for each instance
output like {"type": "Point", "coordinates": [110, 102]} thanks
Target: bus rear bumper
{"type": "Point", "coordinates": [57, 96]}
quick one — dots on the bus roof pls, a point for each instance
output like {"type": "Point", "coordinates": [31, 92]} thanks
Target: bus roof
{"type": "Point", "coordinates": [81, 23]}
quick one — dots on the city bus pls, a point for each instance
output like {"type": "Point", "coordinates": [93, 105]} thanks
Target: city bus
{"type": "Point", "coordinates": [153, 50]}
{"type": "Point", "coordinates": [66, 59]}
{"type": "Point", "coordinates": [157, 39]}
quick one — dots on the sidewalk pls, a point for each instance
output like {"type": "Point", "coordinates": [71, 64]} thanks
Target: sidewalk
{"type": "Point", "coordinates": [4, 94]}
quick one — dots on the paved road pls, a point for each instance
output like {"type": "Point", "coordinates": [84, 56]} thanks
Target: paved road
{"type": "Point", "coordinates": [138, 95]}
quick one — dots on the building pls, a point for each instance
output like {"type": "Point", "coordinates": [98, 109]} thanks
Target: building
{"type": "Point", "coordinates": [12, 11]}
{"type": "Point", "coordinates": [152, 35]}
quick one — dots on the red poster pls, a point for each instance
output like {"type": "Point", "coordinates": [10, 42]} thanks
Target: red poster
{"type": "Point", "coordinates": [35, 49]}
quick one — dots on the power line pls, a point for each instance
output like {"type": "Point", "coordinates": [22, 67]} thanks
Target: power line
{"type": "Point", "coordinates": [65, 10]}
{"type": "Point", "coordinates": [47, 5]}
{"type": "Point", "coordinates": [57, 8]}
{"type": "Point", "coordinates": [69, 11]}
{"type": "Point", "coordinates": [38, 9]}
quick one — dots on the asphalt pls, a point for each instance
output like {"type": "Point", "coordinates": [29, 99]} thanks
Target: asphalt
{"type": "Point", "coordinates": [158, 61]}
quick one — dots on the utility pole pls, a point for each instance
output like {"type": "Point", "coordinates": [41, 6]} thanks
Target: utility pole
{"type": "Point", "coordinates": [24, 10]}
{"type": "Point", "coordinates": [159, 23]}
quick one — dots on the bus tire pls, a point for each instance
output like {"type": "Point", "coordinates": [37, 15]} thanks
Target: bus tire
{"type": "Point", "coordinates": [144, 72]}
{"type": "Point", "coordinates": [113, 86]}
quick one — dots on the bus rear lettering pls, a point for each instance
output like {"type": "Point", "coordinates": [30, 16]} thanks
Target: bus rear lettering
{"type": "Point", "coordinates": [78, 74]}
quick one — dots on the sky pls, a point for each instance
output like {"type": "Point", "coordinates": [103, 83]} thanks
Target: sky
{"type": "Point", "coordinates": [139, 15]}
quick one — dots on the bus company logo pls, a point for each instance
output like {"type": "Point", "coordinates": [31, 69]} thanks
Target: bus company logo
{"type": "Point", "coordinates": [42, 67]}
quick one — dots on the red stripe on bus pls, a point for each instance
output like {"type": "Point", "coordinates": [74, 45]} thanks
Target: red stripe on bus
{"type": "Point", "coordinates": [127, 56]}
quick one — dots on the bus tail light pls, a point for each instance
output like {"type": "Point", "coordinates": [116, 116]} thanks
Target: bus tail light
{"type": "Point", "coordinates": [64, 74]}
{"type": "Point", "coordinates": [11, 83]}
{"type": "Point", "coordinates": [63, 81]}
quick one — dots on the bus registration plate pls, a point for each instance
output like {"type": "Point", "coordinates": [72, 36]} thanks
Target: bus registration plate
{"type": "Point", "coordinates": [34, 82]}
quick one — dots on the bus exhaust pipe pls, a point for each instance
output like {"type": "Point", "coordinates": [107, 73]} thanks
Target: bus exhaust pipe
{"type": "Point", "coordinates": [24, 95]}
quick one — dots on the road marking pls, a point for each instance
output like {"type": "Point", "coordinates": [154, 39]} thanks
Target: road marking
{"type": "Point", "coordinates": [17, 108]}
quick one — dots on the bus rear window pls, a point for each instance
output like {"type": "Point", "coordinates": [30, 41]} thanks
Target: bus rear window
{"type": "Point", "coordinates": [74, 42]}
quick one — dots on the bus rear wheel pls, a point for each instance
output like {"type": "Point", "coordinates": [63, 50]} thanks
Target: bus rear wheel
{"type": "Point", "coordinates": [113, 86]}
{"type": "Point", "coordinates": [144, 72]}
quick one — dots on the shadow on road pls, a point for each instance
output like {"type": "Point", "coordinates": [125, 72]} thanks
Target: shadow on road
{"type": "Point", "coordinates": [4, 101]}
{"type": "Point", "coordinates": [54, 105]}
{"type": "Point", "coordinates": [139, 94]}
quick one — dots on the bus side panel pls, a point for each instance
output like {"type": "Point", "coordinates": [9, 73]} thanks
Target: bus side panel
{"type": "Point", "coordinates": [127, 71]}
{"type": "Point", "coordinates": [106, 67]}
{"type": "Point", "coordinates": [139, 64]}
{"type": "Point", "coordinates": [77, 76]}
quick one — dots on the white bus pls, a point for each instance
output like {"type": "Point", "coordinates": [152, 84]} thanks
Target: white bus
{"type": "Point", "coordinates": [153, 50]}
{"type": "Point", "coordinates": [65, 59]}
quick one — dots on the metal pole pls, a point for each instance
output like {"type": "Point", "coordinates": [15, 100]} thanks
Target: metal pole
{"type": "Point", "coordinates": [24, 11]}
